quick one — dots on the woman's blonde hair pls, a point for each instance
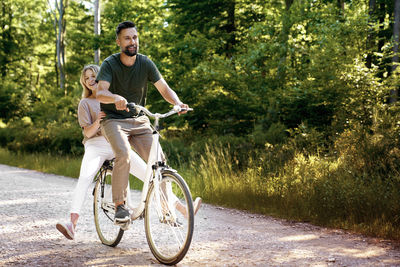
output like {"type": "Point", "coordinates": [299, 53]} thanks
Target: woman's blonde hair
{"type": "Point", "coordinates": [86, 91]}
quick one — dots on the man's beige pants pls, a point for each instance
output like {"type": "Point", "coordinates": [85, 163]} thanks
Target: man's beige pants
{"type": "Point", "coordinates": [122, 134]}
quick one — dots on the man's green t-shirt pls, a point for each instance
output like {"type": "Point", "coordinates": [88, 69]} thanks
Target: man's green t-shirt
{"type": "Point", "coordinates": [129, 82]}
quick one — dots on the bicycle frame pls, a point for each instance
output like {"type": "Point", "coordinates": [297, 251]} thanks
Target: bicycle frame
{"type": "Point", "coordinates": [153, 170]}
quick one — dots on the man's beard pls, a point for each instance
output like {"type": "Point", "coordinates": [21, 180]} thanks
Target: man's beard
{"type": "Point", "coordinates": [129, 53]}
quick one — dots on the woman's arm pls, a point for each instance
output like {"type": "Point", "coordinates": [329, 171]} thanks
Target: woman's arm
{"type": "Point", "coordinates": [91, 130]}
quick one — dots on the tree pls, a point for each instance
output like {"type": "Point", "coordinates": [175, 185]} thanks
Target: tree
{"type": "Point", "coordinates": [7, 43]}
{"type": "Point", "coordinates": [287, 23]}
{"type": "Point", "coordinates": [371, 32]}
{"type": "Point", "coordinates": [81, 41]}
{"type": "Point", "coordinates": [215, 19]}
{"type": "Point", "coordinates": [395, 59]}
{"type": "Point", "coordinates": [97, 30]}
{"type": "Point", "coordinates": [60, 30]}
{"type": "Point", "coordinates": [383, 39]}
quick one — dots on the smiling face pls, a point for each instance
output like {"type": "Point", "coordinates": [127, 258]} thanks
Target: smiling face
{"type": "Point", "coordinates": [90, 80]}
{"type": "Point", "coordinates": [128, 41]}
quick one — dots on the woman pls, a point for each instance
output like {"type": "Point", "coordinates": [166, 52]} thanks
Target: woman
{"type": "Point", "coordinates": [97, 150]}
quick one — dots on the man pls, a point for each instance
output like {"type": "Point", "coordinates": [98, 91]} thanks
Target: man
{"type": "Point", "coordinates": [122, 79]}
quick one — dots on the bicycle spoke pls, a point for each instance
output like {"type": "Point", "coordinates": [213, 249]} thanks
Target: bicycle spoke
{"type": "Point", "coordinates": [173, 220]}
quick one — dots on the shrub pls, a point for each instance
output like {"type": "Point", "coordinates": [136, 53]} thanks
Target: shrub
{"type": "Point", "coordinates": [57, 138]}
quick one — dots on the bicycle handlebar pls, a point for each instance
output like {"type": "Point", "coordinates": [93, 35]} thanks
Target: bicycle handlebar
{"type": "Point", "coordinates": [176, 109]}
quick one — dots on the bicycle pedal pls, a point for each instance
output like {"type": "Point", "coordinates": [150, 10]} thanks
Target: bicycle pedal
{"type": "Point", "coordinates": [125, 226]}
{"type": "Point", "coordinates": [121, 222]}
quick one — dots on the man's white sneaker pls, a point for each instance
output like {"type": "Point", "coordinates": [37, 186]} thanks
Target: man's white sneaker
{"type": "Point", "coordinates": [67, 229]}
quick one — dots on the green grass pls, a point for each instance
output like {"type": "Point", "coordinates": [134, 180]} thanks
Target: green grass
{"type": "Point", "coordinates": [325, 191]}
{"type": "Point", "coordinates": [60, 165]}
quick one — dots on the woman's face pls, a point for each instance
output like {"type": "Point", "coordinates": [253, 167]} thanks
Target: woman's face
{"type": "Point", "coordinates": [90, 79]}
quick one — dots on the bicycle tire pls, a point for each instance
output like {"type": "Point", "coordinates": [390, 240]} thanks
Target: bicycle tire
{"type": "Point", "coordinates": [169, 239]}
{"type": "Point", "coordinates": [103, 209]}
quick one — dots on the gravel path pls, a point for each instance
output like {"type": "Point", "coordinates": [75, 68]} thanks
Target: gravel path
{"type": "Point", "coordinates": [31, 203]}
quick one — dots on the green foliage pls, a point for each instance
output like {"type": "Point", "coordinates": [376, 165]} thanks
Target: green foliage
{"type": "Point", "coordinates": [148, 18]}
{"type": "Point", "coordinates": [56, 138]}
{"type": "Point", "coordinates": [80, 41]}
{"type": "Point", "coordinates": [373, 152]}
{"type": "Point", "coordinates": [50, 126]}
{"type": "Point", "coordinates": [275, 134]}
{"type": "Point", "coordinates": [17, 41]}
{"type": "Point", "coordinates": [12, 101]}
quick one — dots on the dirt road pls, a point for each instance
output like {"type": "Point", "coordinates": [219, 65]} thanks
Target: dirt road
{"type": "Point", "coordinates": [31, 203]}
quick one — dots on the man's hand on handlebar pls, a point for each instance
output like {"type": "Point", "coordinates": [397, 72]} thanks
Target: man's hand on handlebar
{"type": "Point", "coordinates": [184, 108]}
{"type": "Point", "coordinates": [120, 103]}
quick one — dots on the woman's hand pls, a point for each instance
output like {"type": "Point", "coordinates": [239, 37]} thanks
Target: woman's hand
{"type": "Point", "coordinates": [100, 117]}
{"type": "Point", "coordinates": [90, 131]}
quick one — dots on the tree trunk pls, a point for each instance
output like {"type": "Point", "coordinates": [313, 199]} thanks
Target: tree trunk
{"type": "Point", "coordinates": [97, 30]}
{"type": "Point", "coordinates": [395, 59]}
{"type": "Point", "coordinates": [340, 6]}
{"type": "Point", "coordinates": [288, 4]}
{"type": "Point", "coordinates": [60, 29]}
{"type": "Point", "coordinates": [231, 28]}
{"type": "Point", "coordinates": [283, 39]}
{"type": "Point", "coordinates": [371, 35]}
{"type": "Point", "coordinates": [396, 31]}
{"type": "Point", "coordinates": [382, 38]}
{"type": "Point", "coordinates": [55, 34]}
{"type": "Point", "coordinates": [56, 52]}
{"type": "Point", "coordinates": [60, 43]}
{"type": "Point", "coordinates": [381, 35]}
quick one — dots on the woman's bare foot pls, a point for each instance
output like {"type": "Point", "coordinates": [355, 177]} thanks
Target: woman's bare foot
{"type": "Point", "coordinates": [182, 208]}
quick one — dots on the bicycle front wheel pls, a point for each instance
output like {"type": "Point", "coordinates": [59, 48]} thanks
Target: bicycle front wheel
{"type": "Point", "coordinates": [104, 210]}
{"type": "Point", "coordinates": [169, 218]}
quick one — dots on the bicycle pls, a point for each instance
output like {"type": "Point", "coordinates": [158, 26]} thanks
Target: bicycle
{"type": "Point", "coordinates": [168, 233]}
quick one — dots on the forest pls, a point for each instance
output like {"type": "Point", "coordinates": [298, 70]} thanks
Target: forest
{"type": "Point", "coordinates": [295, 102]}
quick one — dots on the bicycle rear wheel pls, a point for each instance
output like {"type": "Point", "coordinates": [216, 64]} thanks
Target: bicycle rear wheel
{"type": "Point", "coordinates": [168, 231]}
{"type": "Point", "coordinates": [104, 210]}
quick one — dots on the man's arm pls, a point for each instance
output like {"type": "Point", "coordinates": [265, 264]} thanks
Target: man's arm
{"type": "Point", "coordinates": [168, 94]}
{"type": "Point", "coordinates": [105, 96]}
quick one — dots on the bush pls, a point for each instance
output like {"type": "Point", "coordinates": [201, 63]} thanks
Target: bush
{"type": "Point", "coordinates": [276, 133]}
{"type": "Point", "coordinates": [52, 126]}
{"type": "Point", "coordinates": [57, 138]}
{"type": "Point", "coordinates": [372, 152]}
{"type": "Point", "coordinates": [13, 100]}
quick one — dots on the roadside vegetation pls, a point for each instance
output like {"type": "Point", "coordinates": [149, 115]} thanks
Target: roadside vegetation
{"type": "Point", "coordinates": [353, 185]}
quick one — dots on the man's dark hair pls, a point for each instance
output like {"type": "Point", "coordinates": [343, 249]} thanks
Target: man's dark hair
{"type": "Point", "coordinates": [124, 25]}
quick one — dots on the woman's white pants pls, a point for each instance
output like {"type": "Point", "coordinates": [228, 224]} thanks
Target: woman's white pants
{"type": "Point", "coordinates": [97, 150]}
